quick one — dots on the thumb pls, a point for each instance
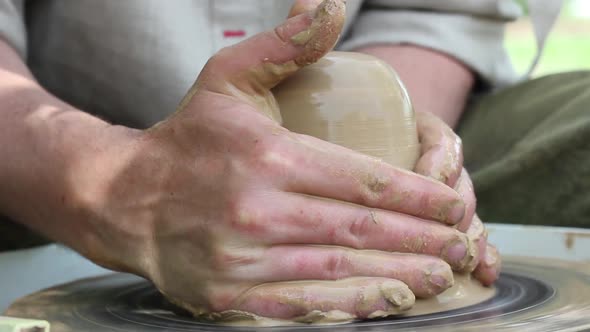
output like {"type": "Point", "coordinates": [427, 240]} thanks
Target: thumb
{"type": "Point", "coordinates": [253, 67]}
{"type": "Point", "coordinates": [301, 6]}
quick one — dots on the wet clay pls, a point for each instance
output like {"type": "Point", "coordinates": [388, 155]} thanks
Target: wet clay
{"type": "Point", "coordinates": [353, 100]}
{"type": "Point", "coordinates": [464, 292]}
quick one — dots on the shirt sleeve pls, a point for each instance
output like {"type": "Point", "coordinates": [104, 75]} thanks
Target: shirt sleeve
{"type": "Point", "coordinates": [469, 31]}
{"type": "Point", "coordinates": [12, 25]}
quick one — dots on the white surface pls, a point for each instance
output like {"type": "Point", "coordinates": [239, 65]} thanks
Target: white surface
{"type": "Point", "coordinates": [26, 271]}
{"type": "Point", "coordinates": [539, 241]}
{"type": "Point", "coordinates": [9, 324]}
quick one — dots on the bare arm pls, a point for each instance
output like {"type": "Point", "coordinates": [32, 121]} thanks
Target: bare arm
{"type": "Point", "coordinates": [436, 82]}
{"type": "Point", "coordinates": [44, 143]}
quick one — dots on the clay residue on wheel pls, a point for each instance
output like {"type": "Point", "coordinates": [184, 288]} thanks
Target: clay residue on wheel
{"type": "Point", "coordinates": [570, 238]}
{"type": "Point", "coordinates": [242, 318]}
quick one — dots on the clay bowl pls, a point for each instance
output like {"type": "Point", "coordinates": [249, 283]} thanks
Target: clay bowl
{"type": "Point", "coordinates": [354, 100]}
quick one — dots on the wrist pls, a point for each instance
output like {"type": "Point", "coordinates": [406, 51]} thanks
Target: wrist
{"type": "Point", "coordinates": [57, 163]}
{"type": "Point", "coordinates": [56, 179]}
{"type": "Point", "coordinates": [99, 193]}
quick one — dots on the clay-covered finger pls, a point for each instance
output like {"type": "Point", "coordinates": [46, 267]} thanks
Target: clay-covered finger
{"type": "Point", "coordinates": [464, 187]}
{"type": "Point", "coordinates": [300, 219]}
{"type": "Point", "coordinates": [489, 268]}
{"type": "Point", "coordinates": [425, 275]}
{"type": "Point", "coordinates": [302, 6]}
{"type": "Point", "coordinates": [318, 168]}
{"type": "Point", "coordinates": [358, 297]}
{"type": "Point", "coordinates": [251, 68]}
{"type": "Point", "coordinates": [479, 236]}
{"type": "Point", "coordinates": [441, 155]}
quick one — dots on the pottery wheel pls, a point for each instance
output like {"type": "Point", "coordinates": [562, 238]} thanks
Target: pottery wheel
{"type": "Point", "coordinates": [531, 294]}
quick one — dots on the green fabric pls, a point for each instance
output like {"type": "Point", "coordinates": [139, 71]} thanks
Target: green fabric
{"type": "Point", "coordinates": [527, 149]}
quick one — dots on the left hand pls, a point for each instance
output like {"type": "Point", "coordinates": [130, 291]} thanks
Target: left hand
{"type": "Point", "coordinates": [441, 158]}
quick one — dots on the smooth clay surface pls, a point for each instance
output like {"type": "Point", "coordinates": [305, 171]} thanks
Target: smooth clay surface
{"type": "Point", "coordinates": [353, 100]}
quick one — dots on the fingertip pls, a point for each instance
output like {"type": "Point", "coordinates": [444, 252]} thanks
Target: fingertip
{"type": "Point", "coordinates": [450, 207]}
{"type": "Point", "coordinates": [398, 294]}
{"type": "Point", "coordinates": [302, 6]}
{"type": "Point", "coordinates": [441, 202]}
{"type": "Point", "coordinates": [453, 207]}
{"type": "Point", "coordinates": [254, 66]}
{"type": "Point", "coordinates": [323, 33]}
{"type": "Point", "coordinates": [488, 271]}
{"type": "Point", "coordinates": [486, 275]}
{"type": "Point", "coordinates": [456, 212]}
{"type": "Point", "coordinates": [461, 253]}
{"type": "Point", "coordinates": [441, 278]}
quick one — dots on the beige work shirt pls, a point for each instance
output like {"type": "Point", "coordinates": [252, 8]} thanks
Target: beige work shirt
{"type": "Point", "coordinates": [132, 61]}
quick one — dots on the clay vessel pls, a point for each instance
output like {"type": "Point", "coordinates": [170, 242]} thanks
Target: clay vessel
{"type": "Point", "coordinates": [354, 100]}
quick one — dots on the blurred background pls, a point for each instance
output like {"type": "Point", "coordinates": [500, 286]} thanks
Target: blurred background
{"type": "Point", "coordinates": [568, 45]}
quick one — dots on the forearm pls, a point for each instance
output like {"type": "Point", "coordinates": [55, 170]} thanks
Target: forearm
{"type": "Point", "coordinates": [44, 144]}
{"type": "Point", "coordinates": [436, 82]}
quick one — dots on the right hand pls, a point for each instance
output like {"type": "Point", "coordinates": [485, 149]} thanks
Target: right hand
{"type": "Point", "coordinates": [220, 206]}
{"type": "Point", "coordinates": [442, 159]}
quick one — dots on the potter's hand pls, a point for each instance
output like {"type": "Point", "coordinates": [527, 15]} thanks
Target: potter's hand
{"type": "Point", "coordinates": [442, 159]}
{"type": "Point", "coordinates": [219, 205]}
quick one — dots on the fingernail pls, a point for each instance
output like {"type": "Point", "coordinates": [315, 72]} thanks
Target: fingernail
{"type": "Point", "coordinates": [487, 275]}
{"type": "Point", "coordinates": [456, 212]}
{"type": "Point", "coordinates": [455, 253]}
{"type": "Point", "coordinates": [440, 282]}
{"type": "Point", "coordinates": [442, 278]}
{"type": "Point", "coordinates": [461, 253]}
{"type": "Point", "coordinates": [319, 14]}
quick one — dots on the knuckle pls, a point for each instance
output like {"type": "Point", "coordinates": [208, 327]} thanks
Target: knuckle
{"type": "Point", "coordinates": [281, 35]}
{"type": "Point", "coordinates": [273, 159]}
{"type": "Point", "coordinates": [220, 259]}
{"type": "Point", "coordinates": [225, 259]}
{"type": "Point", "coordinates": [374, 189]}
{"type": "Point", "coordinates": [337, 265]}
{"type": "Point", "coordinates": [245, 218]}
{"type": "Point", "coordinates": [219, 59]}
{"type": "Point", "coordinates": [359, 228]}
